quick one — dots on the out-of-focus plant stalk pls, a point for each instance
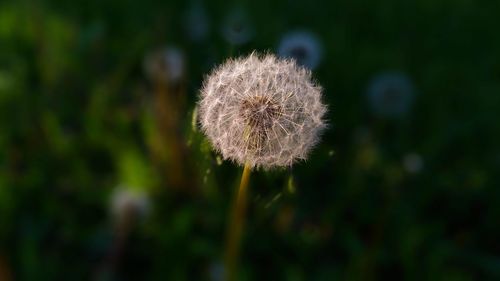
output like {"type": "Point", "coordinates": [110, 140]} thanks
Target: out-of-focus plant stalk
{"type": "Point", "coordinates": [121, 233]}
{"type": "Point", "coordinates": [168, 122]}
{"type": "Point", "coordinates": [235, 227]}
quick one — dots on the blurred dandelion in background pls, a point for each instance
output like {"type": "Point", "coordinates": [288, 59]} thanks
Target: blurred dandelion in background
{"type": "Point", "coordinates": [237, 28]}
{"type": "Point", "coordinates": [390, 94]}
{"type": "Point", "coordinates": [166, 69]}
{"type": "Point", "coordinates": [196, 22]}
{"type": "Point", "coordinates": [166, 64]}
{"type": "Point", "coordinates": [302, 46]}
{"type": "Point", "coordinates": [127, 203]}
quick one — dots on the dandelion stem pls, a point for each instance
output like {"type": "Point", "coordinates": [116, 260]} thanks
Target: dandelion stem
{"type": "Point", "coordinates": [235, 228]}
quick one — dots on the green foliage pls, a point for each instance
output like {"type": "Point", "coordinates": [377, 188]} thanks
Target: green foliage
{"type": "Point", "coordinates": [79, 117]}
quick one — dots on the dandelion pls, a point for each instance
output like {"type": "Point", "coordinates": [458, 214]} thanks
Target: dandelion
{"type": "Point", "coordinates": [262, 111]}
{"type": "Point", "coordinates": [259, 111]}
{"type": "Point", "coordinates": [237, 28]}
{"type": "Point", "coordinates": [390, 94]}
{"type": "Point", "coordinates": [303, 46]}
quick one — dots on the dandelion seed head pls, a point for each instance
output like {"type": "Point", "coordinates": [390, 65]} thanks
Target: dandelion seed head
{"type": "Point", "coordinates": [261, 110]}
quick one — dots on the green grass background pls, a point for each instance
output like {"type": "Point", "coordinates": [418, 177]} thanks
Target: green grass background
{"type": "Point", "coordinates": [77, 119]}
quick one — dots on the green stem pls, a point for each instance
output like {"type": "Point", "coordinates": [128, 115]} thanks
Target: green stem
{"type": "Point", "coordinates": [235, 228]}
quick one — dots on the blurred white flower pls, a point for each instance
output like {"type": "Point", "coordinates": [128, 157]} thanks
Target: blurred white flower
{"type": "Point", "coordinates": [196, 22]}
{"type": "Point", "coordinates": [165, 65]}
{"type": "Point", "coordinates": [413, 163]}
{"type": "Point", "coordinates": [303, 46]}
{"type": "Point", "coordinates": [237, 28]}
{"type": "Point", "coordinates": [129, 203]}
{"type": "Point", "coordinates": [390, 94]}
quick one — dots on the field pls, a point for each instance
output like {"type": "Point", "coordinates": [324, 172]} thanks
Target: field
{"type": "Point", "coordinates": [106, 174]}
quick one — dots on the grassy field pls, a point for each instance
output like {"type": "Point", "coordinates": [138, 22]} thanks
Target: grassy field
{"type": "Point", "coordinates": [105, 174]}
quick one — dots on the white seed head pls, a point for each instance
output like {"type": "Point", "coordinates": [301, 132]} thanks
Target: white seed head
{"type": "Point", "coordinates": [261, 110]}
